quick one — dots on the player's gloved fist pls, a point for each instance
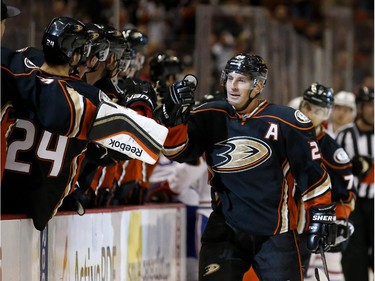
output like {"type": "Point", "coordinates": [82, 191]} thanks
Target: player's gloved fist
{"type": "Point", "coordinates": [78, 200]}
{"type": "Point", "coordinates": [322, 227]}
{"type": "Point", "coordinates": [139, 96]}
{"type": "Point", "coordinates": [345, 229]}
{"type": "Point", "coordinates": [182, 93]}
{"type": "Point", "coordinates": [361, 165]}
{"type": "Point", "coordinates": [177, 103]}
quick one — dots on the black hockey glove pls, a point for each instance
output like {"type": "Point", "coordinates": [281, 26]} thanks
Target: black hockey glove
{"type": "Point", "coordinates": [361, 166]}
{"type": "Point", "coordinates": [139, 96]}
{"type": "Point", "coordinates": [345, 229]}
{"type": "Point", "coordinates": [78, 200]}
{"type": "Point", "coordinates": [129, 193]}
{"type": "Point", "coordinates": [161, 90]}
{"type": "Point", "coordinates": [322, 228]}
{"type": "Point", "coordinates": [99, 155]}
{"type": "Point", "coordinates": [177, 103]}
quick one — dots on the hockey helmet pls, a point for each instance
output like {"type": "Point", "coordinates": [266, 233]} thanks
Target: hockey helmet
{"type": "Point", "coordinates": [63, 36]}
{"type": "Point", "coordinates": [117, 42]}
{"type": "Point", "coordinates": [99, 43]}
{"type": "Point", "coordinates": [319, 95]}
{"type": "Point", "coordinates": [138, 42]}
{"type": "Point", "coordinates": [162, 65]}
{"type": "Point", "coordinates": [136, 39]}
{"type": "Point", "coordinates": [249, 64]}
{"type": "Point", "coordinates": [365, 94]}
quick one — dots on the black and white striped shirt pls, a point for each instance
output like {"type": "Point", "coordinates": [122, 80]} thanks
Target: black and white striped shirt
{"type": "Point", "coordinates": [357, 142]}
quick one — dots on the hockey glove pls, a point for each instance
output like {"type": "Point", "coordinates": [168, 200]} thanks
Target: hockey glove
{"type": "Point", "coordinates": [322, 228]}
{"type": "Point", "coordinates": [161, 91]}
{"type": "Point", "coordinates": [139, 96]}
{"type": "Point", "coordinates": [129, 193]}
{"type": "Point", "coordinates": [98, 154]}
{"type": "Point", "coordinates": [345, 229]}
{"type": "Point", "coordinates": [78, 200]}
{"type": "Point", "coordinates": [178, 103]}
{"type": "Point", "coordinates": [361, 166]}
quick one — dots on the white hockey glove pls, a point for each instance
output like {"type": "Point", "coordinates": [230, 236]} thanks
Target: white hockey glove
{"type": "Point", "coordinates": [123, 130]}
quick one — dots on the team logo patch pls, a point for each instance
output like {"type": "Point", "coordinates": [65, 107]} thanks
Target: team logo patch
{"type": "Point", "coordinates": [94, 36]}
{"type": "Point", "coordinates": [340, 156]}
{"type": "Point", "coordinates": [211, 268]}
{"type": "Point", "coordinates": [302, 118]}
{"type": "Point", "coordinates": [78, 27]}
{"type": "Point", "coordinates": [29, 63]}
{"type": "Point", "coordinates": [241, 154]}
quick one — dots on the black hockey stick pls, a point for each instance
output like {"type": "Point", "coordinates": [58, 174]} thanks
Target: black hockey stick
{"type": "Point", "coordinates": [325, 267]}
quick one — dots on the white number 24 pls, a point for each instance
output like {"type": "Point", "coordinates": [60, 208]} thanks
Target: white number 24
{"type": "Point", "coordinates": [55, 156]}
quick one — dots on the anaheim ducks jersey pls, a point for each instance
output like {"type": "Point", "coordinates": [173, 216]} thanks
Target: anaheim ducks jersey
{"type": "Point", "coordinates": [254, 161]}
{"type": "Point", "coordinates": [42, 166]}
{"type": "Point", "coordinates": [339, 168]}
{"type": "Point", "coordinates": [25, 92]}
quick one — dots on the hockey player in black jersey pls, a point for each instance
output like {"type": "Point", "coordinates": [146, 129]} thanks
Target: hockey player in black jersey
{"type": "Point", "coordinates": [358, 141]}
{"type": "Point", "coordinates": [42, 165]}
{"type": "Point", "coordinates": [316, 104]}
{"type": "Point", "coordinates": [256, 152]}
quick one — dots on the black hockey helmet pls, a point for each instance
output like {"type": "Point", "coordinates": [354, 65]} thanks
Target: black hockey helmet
{"type": "Point", "coordinates": [365, 94]}
{"type": "Point", "coordinates": [63, 36]}
{"type": "Point", "coordinates": [136, 39]}
{"type": "Point", "coordinates": [252, 65]}
{"type": "Point", "coordinates": [99, 43]}
{"type": "Point", "coordinates": [320, 95]}
{"type": "Point", "coordinates": [117, 42]}
{"type": "Point", "coordinates": [162, 65]}
{"type": "Point", "coordinates": [137, 42]}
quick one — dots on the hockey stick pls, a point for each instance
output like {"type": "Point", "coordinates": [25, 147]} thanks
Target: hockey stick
{"type": "Point", "coordinates": [325, 267]}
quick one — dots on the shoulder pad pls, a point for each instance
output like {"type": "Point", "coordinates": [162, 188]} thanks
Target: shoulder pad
{"type": "Point", "coordinates": [287, 115]}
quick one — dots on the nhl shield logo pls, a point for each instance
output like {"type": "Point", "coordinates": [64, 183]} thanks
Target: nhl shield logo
{"type": "Point", "coordinates": [301, 117]}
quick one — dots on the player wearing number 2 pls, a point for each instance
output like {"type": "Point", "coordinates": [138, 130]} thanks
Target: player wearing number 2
{"type": "Point", "coordinates": [255, 152]}
{"type": "Point", "coordinates": [317, 104]}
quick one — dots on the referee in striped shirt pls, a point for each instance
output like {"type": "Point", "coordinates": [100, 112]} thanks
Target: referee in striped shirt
{"type": "Point", "coordinates": [358, 141]}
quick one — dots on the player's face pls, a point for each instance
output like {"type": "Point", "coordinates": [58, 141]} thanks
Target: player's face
{"type": "Point", "coordinates": [342, 115]}
{"type": "Point", "coordinates": [368, 112]}
{"type": "Point", "coordinates": [315, 113]}
{"type": "Point", "coordinates": [238, 88]}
